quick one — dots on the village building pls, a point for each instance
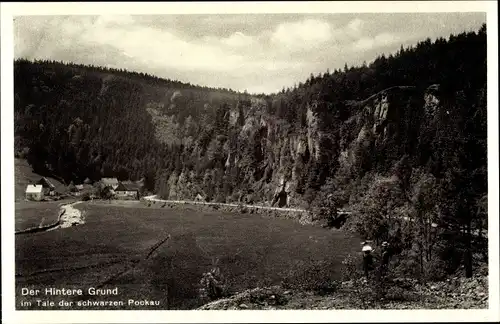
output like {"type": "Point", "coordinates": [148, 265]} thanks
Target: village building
{"type": "Point", "coordinates": [81, 189]}
{"type": "Point", "coordinates": [199, 198]}
{"type": "Point", "coordinates": [128, 190]}
{"type": "Point", "coordinates": [73, 190]}
{"type": "Point", "coordinates": [34, 192]}
{"type": "Point", "coordinates": [49, 188]}
{"type": "Point", "coordinates": [110, 182]}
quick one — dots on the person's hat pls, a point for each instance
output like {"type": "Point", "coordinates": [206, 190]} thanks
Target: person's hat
{"type": "Point", "coordinates": [385, 244]}
{"type": "Point", "coordinates": [366, 248]}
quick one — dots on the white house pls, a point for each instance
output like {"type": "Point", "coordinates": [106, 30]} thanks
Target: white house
{"type": "Point", "coordinates": [34, 192]}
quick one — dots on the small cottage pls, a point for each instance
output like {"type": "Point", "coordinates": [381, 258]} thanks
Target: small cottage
{"type": "Point", "coordinates": [81, 189]}
{"type": "Point", "coordinates": [110, 182]}
{"type": "Point", "coordinates": [34, 192]}
{"type": "Point", "coordinates": [199, 198]}
{"type": "Point", "coordinates": [127, 191]}
{"type": "Point", "coordinates": [48, 187]}
{"type": "Point", "coordinates": [73, 189]}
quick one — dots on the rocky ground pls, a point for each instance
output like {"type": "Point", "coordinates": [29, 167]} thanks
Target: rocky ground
{"type": "Point", "coordinates": [70, 216]}
{"type": "Point", "coordinates": [453, 293]}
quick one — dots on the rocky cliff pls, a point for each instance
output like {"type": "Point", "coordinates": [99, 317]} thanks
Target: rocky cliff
{"type": "Point", "coordinates": [271, 157]}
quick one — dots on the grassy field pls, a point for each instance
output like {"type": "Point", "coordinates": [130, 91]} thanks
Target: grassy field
{"type": "Point", "coordinates": [33, 214]}
{"type": "Point", "coordinates": [252, 251]}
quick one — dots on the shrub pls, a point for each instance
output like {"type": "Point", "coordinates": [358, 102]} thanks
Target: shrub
{"type": "Point", "coordinates": [351, 267]}
{"type": "Point", "coordinates": [409, 263]}
{"type": "Point", "coordinates": [396, 293]}
{"type": "Point", "coordinates": [380, 286]}
{"type": "Point", "coordinates": [213, 284]}
{"type": "Point", "coordinates": [220, 198]}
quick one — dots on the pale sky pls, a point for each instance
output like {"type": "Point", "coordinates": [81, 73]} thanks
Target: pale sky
{"type": "Point", "coordinates": [253, 52]}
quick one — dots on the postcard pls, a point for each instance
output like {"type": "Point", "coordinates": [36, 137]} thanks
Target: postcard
{"type": "Point", "coordinates": [249, 162]}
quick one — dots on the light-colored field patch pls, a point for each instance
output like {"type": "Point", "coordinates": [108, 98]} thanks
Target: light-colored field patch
{"type": "Point", "coordinates": [70, 216]}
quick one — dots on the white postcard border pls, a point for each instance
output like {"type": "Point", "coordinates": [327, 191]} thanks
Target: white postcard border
{"type": "Point", "coordinates": [9, 314]}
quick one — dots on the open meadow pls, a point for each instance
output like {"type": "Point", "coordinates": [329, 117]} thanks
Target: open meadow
{"type": "Point", "coordinates": [111, 250]}
{"type": "Point", "coordinates": [31, 214]}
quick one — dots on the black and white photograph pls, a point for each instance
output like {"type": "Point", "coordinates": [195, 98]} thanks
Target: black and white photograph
{"type": "Point", "coordinates": [250, 160]}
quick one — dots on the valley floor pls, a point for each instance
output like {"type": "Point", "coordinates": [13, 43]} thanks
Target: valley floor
{"type": "Point", "coordinates": [109, 249]}
{"type": "Point", "coordinates": [114, 248]}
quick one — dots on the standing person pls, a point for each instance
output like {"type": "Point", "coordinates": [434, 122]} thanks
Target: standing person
{"type": "Point", "coordinates": [386, 256]}
{"type": "Point", "coordinates": [367, 258]}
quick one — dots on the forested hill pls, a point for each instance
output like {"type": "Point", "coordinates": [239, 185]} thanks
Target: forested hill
{"type": "Point", "coordinates": [422, 108]}
{"type": "Point", "coordinates": [75, 121]}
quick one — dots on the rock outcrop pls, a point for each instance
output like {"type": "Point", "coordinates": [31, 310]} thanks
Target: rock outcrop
{"type": "Point", "coordinates": [272, 157]}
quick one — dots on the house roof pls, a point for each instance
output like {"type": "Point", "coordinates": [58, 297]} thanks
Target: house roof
{"type": "Point", "coordinates": [127, 187]}
{"type": "Point", "coordinates": [46, 183]}
{"type": "Point", "coordinates": [81, 187]}
{"type": "Point", "coordinates": [34, 188]}
{"type": "Point", "coordinates": [109, 181]}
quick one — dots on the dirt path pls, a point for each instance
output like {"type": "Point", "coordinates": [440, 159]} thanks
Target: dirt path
{"type": "Point", "coordinates": [153, 198]}
{"type": "Point", "coordinates": [69, 216]}
{"type": "Point", "coordinates": [192, 202]}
